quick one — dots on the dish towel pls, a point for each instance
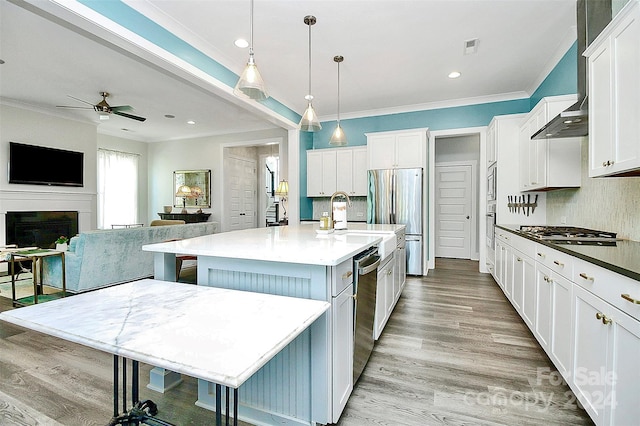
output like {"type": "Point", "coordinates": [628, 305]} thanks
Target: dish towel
{"type": "Point", "coordinates": [340, 215]}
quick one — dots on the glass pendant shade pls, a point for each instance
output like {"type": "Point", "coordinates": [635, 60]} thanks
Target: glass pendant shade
{"type": "Point", "coordinates": [310, 122]}
{"type": "Point", "coordinates": [251, 83]}
{"type": "Point", "coordinates": [338, 138]}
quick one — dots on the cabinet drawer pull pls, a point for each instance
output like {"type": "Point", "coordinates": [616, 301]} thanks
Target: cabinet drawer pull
{"type": "Point", "coordinates": [630, 299]}
{"type": "Point", "coordinates": [347, 275]}
{"type": "Point", "coordinates": [560, 264]}
{"type": "Point", "coordinates": [604, 318]}
{"type": "Point", "coordinates": [519, 260]}
{"type": "Point", "coordinates": [585, 276]}
{"type": "Point", "coordinates": [540, 254]}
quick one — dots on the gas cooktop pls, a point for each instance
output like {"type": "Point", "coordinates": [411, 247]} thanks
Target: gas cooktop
{"type": "Point", "coordinates": [570, 235]}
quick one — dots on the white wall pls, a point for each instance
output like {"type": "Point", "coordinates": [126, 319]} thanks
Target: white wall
{"type": "Point", "coordinates": [44, 129]}
{"type": "Point", "coordinates": [195, 154]}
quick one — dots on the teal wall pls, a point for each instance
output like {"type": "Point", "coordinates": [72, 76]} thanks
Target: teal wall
{"type": "Point", "coordinates": [134, 21]}
{"type": "Point", "coordinates": [562, 80]}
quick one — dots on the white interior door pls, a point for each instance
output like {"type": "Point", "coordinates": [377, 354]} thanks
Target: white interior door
{"type": "Point", "coordinates": [241, 182]}
{"type": "Point", "coordinates": [453, 211]}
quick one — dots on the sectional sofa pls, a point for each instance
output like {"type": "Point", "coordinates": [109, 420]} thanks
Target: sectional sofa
{"type": "Point", "coordinates": [102, 258]}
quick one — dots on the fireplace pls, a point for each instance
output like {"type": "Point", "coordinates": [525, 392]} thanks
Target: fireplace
{"type": "Point", "coordinates": [40, 229]}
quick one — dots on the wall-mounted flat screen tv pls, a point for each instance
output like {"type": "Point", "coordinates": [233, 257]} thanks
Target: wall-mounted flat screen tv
{"type": "Point", "coordinates": [39, 165]}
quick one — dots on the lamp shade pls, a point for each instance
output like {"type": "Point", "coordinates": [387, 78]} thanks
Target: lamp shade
{"type": "Point", "coordinates": [310, 122]}
{"type": "Point", "coordinates": [183, 191]}
{"type": "Point", "coordinates": [283, 188]}
{"type": "Point", "coordinates": [251, 83]}
{"type": "Point", "coordinates": [338, 138]}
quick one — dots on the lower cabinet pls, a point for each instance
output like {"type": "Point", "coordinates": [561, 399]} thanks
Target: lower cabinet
{"type": "Point", "coordinates": [385, 298]}
{"type": "Point", "coordinates": [400, 255]}
{"type": "Point", "coordinates": [584, 317]}
{"type": "Point", "coordinates": [605, 372]}
{"type": "Point", "coordinates": [342, 311]}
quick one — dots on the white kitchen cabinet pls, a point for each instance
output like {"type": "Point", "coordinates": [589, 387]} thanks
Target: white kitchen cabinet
{"type": "Point", "coordinates": [548, 163]}
{"type": "Point", "coordinates": [337, 169]}
{"type": "Point", "coordinates": [351, 171]}
{"type": "Point", "coordinates": [553, 322]}
{"type": "Point", "coordinates": [517, 294]}
{"type": "Point", "coordinates": [384, 296]}
{"type": "Point", "coordinates": [605, 373]}
{"type": "Point", "coordinates": [529, 291]}
{"type": "Point", "coordinates": [585, 317]}
{"type": "Point", "coordinates": [400, 256]}
{"type": "Point", "coordinates": [342, 312]}
{"type": "Point", "coordinates": [321, 173]}
{"type": "Point", "coordinates": [492, 144]}
{"type": "Point", "coordinates": [403, 149]}
{"type": "Point", "coordinates": [614, 90]}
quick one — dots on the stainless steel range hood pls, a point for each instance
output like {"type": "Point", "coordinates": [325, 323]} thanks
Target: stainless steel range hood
{"type": "Point", "coordinates": [591, 18]}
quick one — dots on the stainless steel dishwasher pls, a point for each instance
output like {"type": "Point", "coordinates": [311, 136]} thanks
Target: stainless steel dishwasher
{"type": "Point", "coordinates": [365, 266]}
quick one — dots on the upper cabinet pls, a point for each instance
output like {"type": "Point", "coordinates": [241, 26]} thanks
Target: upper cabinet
{"type": "Point", "coordinates": [548, 163]}
{"type": "Point", "coordinates": [351, 173]}
{"type": "Point", "coordinates": [321, 173]}
{"type": "Point", "coordinates": [614, 96]}
{"type": "Point", "coordinates": [337, 169]}
{"type": "Point", "coordinates": [397, 150]}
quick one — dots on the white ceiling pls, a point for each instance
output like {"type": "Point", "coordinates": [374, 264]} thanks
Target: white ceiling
{"type": "Point", "coordinates": [397, 58]}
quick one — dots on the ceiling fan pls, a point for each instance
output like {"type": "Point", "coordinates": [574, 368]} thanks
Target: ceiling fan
{"type": "Point", "coordinates": [104, 109]}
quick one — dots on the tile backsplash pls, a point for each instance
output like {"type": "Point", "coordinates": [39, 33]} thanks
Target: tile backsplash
{"type": "Point", "coordinates": [606, 204]}
{"type": "Point", "coordinates": [356, 213]}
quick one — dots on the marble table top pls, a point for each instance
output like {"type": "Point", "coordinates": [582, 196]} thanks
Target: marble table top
{"type": "Point", "coordinates": [219, 335]}
{"type": "Point", "coordinates": [288, 244]}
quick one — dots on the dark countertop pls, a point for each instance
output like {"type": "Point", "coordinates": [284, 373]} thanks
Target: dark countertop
{"type": "Point", "coordinates": [623, 258]}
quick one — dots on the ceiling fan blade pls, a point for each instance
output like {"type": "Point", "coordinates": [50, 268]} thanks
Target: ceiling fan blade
{"type": "Point", "coordinates": [72, 107]}
{"type": "Point", "coordinates": [80, 100]}
{"type": "Point", "coordinates": [134, 117]}
{"type": "Point", "coordinates": [122, 108]}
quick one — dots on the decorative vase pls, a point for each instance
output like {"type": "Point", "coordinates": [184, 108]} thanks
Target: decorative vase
{"type": "Point", "coordinates": [167, 209]}
{"type": "Point", "coordinates": [62, 247]}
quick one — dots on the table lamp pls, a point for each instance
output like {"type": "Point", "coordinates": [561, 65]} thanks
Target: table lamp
{"type": "Point", "coordinates": [282, 192]}
{"type": "Point", "coordinates": [184, 192]}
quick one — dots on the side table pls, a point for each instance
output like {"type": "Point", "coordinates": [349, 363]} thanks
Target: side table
{"type": "Point", "coordinates": [36, 256]}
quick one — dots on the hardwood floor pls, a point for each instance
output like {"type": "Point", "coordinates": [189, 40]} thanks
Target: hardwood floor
{"type": "Point", "coordinates": [454, 352]}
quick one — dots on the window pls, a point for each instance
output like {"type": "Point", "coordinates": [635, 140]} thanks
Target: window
{"type": "Point", "coordinates": [117, 188]}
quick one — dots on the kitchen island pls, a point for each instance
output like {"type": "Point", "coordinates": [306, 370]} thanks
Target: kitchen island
{"type": "Point", "coordinates": [311, 379]}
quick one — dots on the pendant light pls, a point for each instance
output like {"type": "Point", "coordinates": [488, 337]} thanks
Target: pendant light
{"type": "Point", "coordinates": [309, 121]}
{"type": "Point", "coordinates": [250, 83]}
{"type": "Point", "coordinates": [338, 138]}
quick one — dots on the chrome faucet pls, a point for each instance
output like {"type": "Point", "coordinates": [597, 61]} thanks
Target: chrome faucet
{"type": "Point", "coordinates": [333, 222]}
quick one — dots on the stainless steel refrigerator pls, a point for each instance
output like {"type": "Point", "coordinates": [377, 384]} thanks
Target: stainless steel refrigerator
{"type": "Point", "coordinates": [395, 197]}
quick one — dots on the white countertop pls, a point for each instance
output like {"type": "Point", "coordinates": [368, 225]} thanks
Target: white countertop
{"type": "Point", "coordinates": [288, 244]}
{"type": "Point", "coordinates": [222, 336]}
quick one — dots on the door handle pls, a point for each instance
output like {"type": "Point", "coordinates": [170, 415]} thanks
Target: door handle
{"type": "Point", "coordinates": [467, 217]}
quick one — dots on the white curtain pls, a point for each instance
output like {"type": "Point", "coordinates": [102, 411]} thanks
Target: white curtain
{"type": "Point", "coordinates": [117, 188]}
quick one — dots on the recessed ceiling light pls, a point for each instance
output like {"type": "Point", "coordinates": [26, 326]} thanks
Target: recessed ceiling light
{"type": "Point", "coordinates": [454, 74]}
{"type": "Point", "coordinates": [169, 116]}
{"type": "Point", "coordinates": [241, 43]}
{"type": "Point", "coordinates": [191, 122]}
